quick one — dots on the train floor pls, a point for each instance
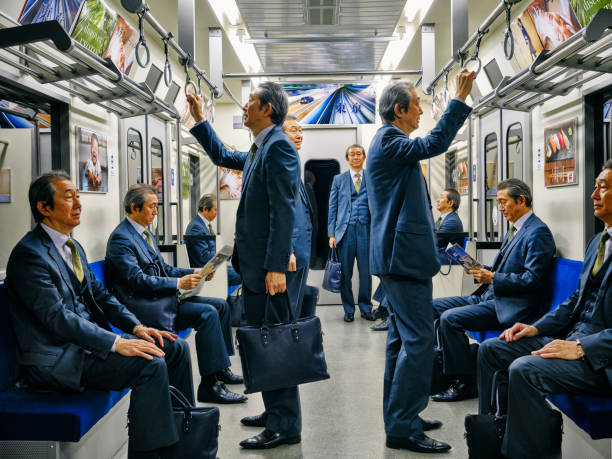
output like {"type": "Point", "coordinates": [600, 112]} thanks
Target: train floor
{"type": "Point", "coordinates": [342, 416]}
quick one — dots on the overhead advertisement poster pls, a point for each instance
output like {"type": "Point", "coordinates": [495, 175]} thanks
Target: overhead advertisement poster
{"type": "Point", "coordinates": [331, 103]}
{"type": "Point", "coordinates": [63, 11]}
{"type": "Point", "coordinates": [560, 146]}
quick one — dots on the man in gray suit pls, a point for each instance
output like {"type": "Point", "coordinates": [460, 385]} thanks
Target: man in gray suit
{"type": "Point", "coordinates": [577, 362]}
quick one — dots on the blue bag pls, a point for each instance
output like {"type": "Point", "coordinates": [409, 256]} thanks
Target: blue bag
{"type": "Point", "coordinates": [333, 275]}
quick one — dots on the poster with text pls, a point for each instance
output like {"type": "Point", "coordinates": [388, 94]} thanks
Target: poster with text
{"type": "Point", "coordinates": [560, 159]}
{"type": "Point", "coordinates": [92, 154]}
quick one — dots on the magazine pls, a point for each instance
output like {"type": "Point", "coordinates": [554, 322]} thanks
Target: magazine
{"type": "Point", "coordinates": [95, 26]}
{"type": "Point", "coordinates": [121, 46]}
{"type": "Point", "coordinates": [220, 257]}
{"type": "Point", "coordinates": [63, 11]}
{"type": "Point", "coordinates": [456, 252]}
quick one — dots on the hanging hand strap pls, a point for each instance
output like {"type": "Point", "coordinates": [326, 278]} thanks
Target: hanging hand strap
{"type": "Point", "coordinates": [475, 57]}
{"type": "Point", "coordinates": [142, 42]}
{"type": "Point", "coordinates": [188, 80]}
{"type": "Point", "coordinates": [167, 68]}
{"type": "Point", "coordinates": [508, 38]}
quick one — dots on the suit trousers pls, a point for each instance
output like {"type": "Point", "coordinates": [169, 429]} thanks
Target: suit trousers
{"type": "Point", "coordinates": [233, 278]}
{"type": "Point", "coordinates": [151, 423]}
{"type": "Point", "coordinates": [409, 358]}
{"type": "Point", "coordinates": [282, 406]}
{"type": "Point", "coordinates": [296, 284]}
{"type": "Point", "coordinates": [530, 418]}
{"type": "Point", "coordinates": [209, 323]}
{"type": "Point", "coordinates": [356, 244]}
{"type": "Point", "coordinates": [458, 314]}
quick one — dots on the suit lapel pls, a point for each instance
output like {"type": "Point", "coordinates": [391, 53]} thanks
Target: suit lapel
{"type": "Point", "coordinates": [305, 197]}
{"type": "Point", "coordinates": [140, 242]}
{"type": "Point", "coordinates": [348, 185]}
{"type": "Point", "coordinates": [59, 261]}
{"type": "Point", "coordinates": [519, 235]}
{"type": "Point", "coordinates": [257, 159]}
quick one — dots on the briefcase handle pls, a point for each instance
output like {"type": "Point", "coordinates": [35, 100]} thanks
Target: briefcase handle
{"type": "Point", "coordinates": [333, 255]}
{"type": "Point", "coordinates": [498, 376]}
{"type": "Point", "coordinates": [265, 322]}
{"type": "Point", "coordinates": [180, 398]}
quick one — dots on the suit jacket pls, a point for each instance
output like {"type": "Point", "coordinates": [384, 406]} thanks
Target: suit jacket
{"type": "Point", "coordinates": [52, 337]}
{"type": "Point", "coordinates": [340, 204]}
{"type": "Point", "coordinates": [266, 213]}
{"type": "Point", "coordinates": [521, 272]}
{"type": "Point", "coordinates": [139, 269]}
{"type": "Point", "coordinates": [203, 246]}
{"type": "Point", "coordinates": [402, 239]}
{"type": "Point", "coordinates": [597, 346]}
{"type": "Point", "coordinates": [450, 224]}
{"type": "Point", "coordinates": [302, 231]}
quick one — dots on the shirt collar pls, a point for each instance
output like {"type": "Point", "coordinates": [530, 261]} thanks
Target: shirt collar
{"type": "Point", "coordinates": [59, 239]}
{"type": "Point", "coordinates": [353, 174]}
{"type": "Point", "coordinates": [521, 221]}
{"type": "Point", "coordinates": [137, 226]}
{"type": "Point", "coordinates": [259, 139]}
{"type": "Point", "coordinates": [206, 222]}
{"type": "Point", "coordinates": [444, 215]}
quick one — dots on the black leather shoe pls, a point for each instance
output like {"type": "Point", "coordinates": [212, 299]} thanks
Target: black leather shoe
{"type": "Point", "coordinates": [457, 391]}
{"type": "Point", "coordinates": [268, 439]}
{"type": "Point", "coordinates": [383, 326]}
{"type": "Point", "coordinates": [419, 443]}
{"type": "Point", "coordinates": [255, 421]}
{"type": "Point", "coordinates": [226, 376]}
{"type": "Point", "coordinates": [218, 393]}
{"type": "Point", "coordinates": [367, 316]}
{"type": "Point", "coordinates": [431, 425]}
{"type": "Point", "coordinates": [380, 313]}
{"type": "Point", "coordinates": [349, 317]}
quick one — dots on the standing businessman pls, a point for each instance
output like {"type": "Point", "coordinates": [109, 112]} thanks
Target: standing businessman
{"type": "Point", "coordinates": [348, 228]}
{"type": "Point", "coordinates": [404, 253]}
{"type": "Point", "coordinates": [264, 226]}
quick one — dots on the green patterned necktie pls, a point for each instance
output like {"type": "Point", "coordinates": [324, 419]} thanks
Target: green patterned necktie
{"type": "Point", "coordinates": [357, 182]}
{"type": "Point", "coordinates": [252, 152]}
{"type": "Point", "coordinates": [210, 229]}
{"type": "Point", "coordinates": [76, 260]}
{"type": "Point", "coordinates": [601, 253]}
{"type": "Point", "coordinates": [510, 236]}
{"type": "Point", "coordinates": [438, 222]}
{"type": "Point", "coordinates": [149, 239]}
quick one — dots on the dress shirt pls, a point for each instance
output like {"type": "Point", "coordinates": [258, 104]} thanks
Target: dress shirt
{"type": "Point", "coordinates": [354, 175]}
{"type": "Point", "coordinates": [206, 222]}
{"type": "Point", "coordinates": [521, 221]}
{"type": "Point", "coordinates": [444, 215]}
{"type": "Point", "coordinates": [262, 135]}
{"type": "Point", "coordinates": [59, 241]}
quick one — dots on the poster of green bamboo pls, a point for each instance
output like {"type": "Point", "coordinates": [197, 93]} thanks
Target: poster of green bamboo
{"type": "Point", "coordinates": [95, 26]}
{"type": "Point", "coordinates": [586, 9]}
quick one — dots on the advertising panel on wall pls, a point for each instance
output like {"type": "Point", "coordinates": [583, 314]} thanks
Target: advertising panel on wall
{"type": "Point", "coordinates": [560, 146]}
{"type": "Point", "coordinates": [93, 161]}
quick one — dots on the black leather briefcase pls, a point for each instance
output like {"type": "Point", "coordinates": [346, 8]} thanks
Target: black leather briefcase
{"type": "Point", "coordinates": [198, 429]}
{"type": "Point", "coordinates": [439, 381]}
{"type": "Point", "coordinates": [281, 355]}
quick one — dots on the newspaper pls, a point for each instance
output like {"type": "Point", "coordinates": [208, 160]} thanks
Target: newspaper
{"type": "Point", "coordinates": [456, 252]}
{"type": "Point", "coordinates": [220, 257]}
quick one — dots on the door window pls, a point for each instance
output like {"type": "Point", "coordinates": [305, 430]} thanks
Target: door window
{"type": "Point", "coordinates": [514, 147]}
{"type": "Point", "coordinates": [157, 180]}
{"type": "Point", "coordinates": [491, 210]}
{"type": "Point", "coordinates": [134, 153]}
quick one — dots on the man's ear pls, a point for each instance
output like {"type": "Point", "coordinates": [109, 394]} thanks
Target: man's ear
{"type": "Point", "coordinates": [42, 208]}
{"type": "Point", "coordinates": [268, 109]}
{"type": "Point", "coordinates": [399, 111]}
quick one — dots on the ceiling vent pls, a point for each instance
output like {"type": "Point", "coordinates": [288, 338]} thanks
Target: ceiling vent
{"type": "Point", "coordinates": [322, 12]}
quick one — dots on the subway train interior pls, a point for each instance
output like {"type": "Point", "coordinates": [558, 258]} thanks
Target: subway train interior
{"type": "Point", "coordinates": [101, 89]}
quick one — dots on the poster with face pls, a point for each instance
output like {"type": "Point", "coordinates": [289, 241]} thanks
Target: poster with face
{"type": "Point", "coordinates": [93, 161]}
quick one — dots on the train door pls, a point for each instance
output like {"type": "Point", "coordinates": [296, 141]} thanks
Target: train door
{"type": "Point", "coordinates": [133, 158]}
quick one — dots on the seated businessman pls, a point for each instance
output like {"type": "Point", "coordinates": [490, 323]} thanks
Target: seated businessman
{"type": "Point", "coordinates": [511, 289]}
{"type": "Point", "coordinates": [565, 352]}
{"type": "Point", "coordinates": [201, 241]}
{"type": "Point", "coordinates": [61, 315]}
{"type": "Point", "coordinates": [136, 272]}
{"type": "Point", "coordinates": [448, 221]}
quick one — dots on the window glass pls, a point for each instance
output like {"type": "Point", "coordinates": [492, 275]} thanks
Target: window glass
{"type": "Point", "coordinates": [134, 152]}
{"type": "Point", "coordinates": [514, 140]}
{"type": "Point", "coordinates": [157, 180]}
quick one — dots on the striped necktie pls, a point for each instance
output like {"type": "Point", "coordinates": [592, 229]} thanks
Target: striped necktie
{"type": "Point", "coordinates": [148, 237]}
{"type": "Point", "coordinates": [77, 266]}
{"type": "Point", "coordinates": [252, 152]}
{"type": "Point", "coordinates": [601, 253]}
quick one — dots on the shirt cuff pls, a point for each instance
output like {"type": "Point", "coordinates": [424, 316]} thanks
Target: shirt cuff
{"type": "Point", "coordinates": [114, 346]}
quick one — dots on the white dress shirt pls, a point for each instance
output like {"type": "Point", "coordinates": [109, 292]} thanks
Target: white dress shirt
{"type": "Point", "coordinates": [521, 221]}
{"type": "Point", "coordinates": [354, 175]}
{"type": "Point", "coordinates": [444, 215]}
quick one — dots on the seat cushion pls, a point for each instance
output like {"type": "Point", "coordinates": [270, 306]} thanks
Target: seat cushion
{"type": "Point", "coordinates": [52, 416]}
{"type": "Point", "coordinates": [590, 413]}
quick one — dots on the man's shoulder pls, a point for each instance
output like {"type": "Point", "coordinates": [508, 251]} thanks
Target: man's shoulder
{"type": "Point", "coordinates": [535, 224]}
{"type": "Point", "coordinates": [194, 225]}
{"type": "Point", "coordinates": [121, 232]}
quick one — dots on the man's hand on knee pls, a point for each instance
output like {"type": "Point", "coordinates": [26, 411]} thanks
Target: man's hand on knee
{"type": "Point", "coordinates": [518, 331]}
{"type": "Point", "coordinates": [138, 348]}
{"type": "Point", "coordinates": [561, 349]}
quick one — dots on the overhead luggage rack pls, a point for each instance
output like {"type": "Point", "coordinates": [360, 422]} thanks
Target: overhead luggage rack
{"type": "Point", "coordinates": [33, 49]}
{"type": "Point", "coordinates": [580, 59]}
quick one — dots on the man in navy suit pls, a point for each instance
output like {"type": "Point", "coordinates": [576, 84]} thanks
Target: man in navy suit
{"type": "Point", "coordinates": [404, 253]}
{"type": "Point", "coordinates": [577, 362]}
{"type": "Point", "coordinates": [299, 260]}
{"type": "Point", "coordinates": [448, 221]}
{"type": "Point", "coordinates": [511, 289]}
{"type": "Point", "coordinates": [61, 316]}
{"type": "Point", "coordinates": [201, 241]}
{"type": "Point", "coordinates": [264, 226]}
{"type": "Point", "coordinates": [348, 228]}
{"type": "Point", "coordinates": [135, 270]}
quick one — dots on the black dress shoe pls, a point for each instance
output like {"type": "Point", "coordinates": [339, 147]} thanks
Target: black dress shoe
{"type": "Point", "coordinates": [381, 312]}
{"type": "Point", "coordinates": [457, 391]}
{"type": "Point", "coordinates": [349, 317]}
{"type": "Point", "coordinates": [367, 316]}
{"type": "Point", "coordinates": [226, 376]}
{"type": "Point", "coordinates": [419, 443]}
{"type": "Point", "coordinates": [431, 425]}
{"type": "Point", "coordinates": [255, 421]}
{"type": "Point", "coordinates": [268, 439]}
{"type": "Point", "coordinates": [383, 326]}
{"type": "Point", "coordinates": [218, 393]}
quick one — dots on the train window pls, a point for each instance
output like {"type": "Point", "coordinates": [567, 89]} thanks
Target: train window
{"type": "Point", "coordinates": [514, 147]}
{"type": "Point", "coordinates": [157, 180]}
{"type": "Point", "coordinates": [491, 155]}
{"type": "Point", "coordinates": [318, 176]}
{"type": "Point", "coordinates": [134, 160]}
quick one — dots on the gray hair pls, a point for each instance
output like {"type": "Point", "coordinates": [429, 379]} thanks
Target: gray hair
{"type": "Point", "coordinates": [607, 165]}
{"type": "Point", "coordinates": [206, 202]}
{"type": "Point", "coordinates": [516, 188]}
{"type": "Point", "coordinates": [271, 93]}
{"type": "Point", "coordinates": [453, 195]}
{"type": "Point", "coordinates": [137, 195]}
{"type": "Point", "coordinates": [395, 93]}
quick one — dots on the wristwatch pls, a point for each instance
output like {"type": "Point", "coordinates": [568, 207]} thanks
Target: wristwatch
{"type": "Point", "coordinates": [579, 350]}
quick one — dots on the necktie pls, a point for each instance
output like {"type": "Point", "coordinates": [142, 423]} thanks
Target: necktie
{"type": "Point", "coordinates": [438, 222]}
{"type": "Point", "coordinates": [510, 236]}
{"type": "Point", "coordinates": [76, 260]}
{"type": "Point", "coordinates": [149, 239]}
{"type": "Point", "coordinates": [357, 182]}
{"type": "Point", "coordinates": [210, 229]}
{"type": "Point", "coordinates": [601, 253]}
{"type": "Point", "coordinates": [252, 152]}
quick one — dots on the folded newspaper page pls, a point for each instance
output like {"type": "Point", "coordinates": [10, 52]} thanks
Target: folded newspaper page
{"type": "Point", "coordinates": [457, 253]}
{"type": "Point", "coordinates": [220, 257]}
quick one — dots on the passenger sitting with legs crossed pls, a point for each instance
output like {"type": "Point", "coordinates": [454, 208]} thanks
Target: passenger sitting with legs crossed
{"type": "Point", "coordinates": [511, 289]}
{"type": "Point", "coordinates": [577, 363]}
